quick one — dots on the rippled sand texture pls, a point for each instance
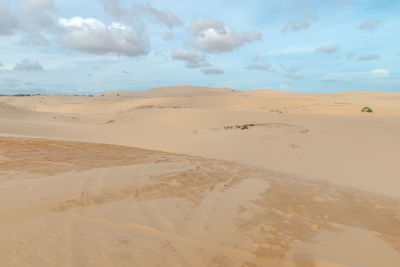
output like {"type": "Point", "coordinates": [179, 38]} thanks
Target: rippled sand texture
{"type": "Point", "coordinates": [82, 204]}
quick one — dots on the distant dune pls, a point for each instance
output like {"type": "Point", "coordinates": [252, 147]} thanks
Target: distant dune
{"type": "Point", "coordinates": [12, 112]}
{"type": "Point", "coordinates": [201, 177]}
{"type": "Point", "coordinates": [176, 91]}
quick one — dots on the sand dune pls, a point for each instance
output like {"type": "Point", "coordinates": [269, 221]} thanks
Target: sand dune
{"type": "Point", "coordinates": [200, 177]}
{"type": "Point", "coordinates": [176, 91]}
{"type": "Point", "coordinates": [12, 112]}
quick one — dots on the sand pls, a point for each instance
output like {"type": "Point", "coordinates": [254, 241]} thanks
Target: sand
{"type": "Point", "coordinates": [195, 176]}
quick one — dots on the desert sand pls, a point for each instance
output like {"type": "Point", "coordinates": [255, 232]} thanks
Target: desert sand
{"type": "Point", "coordinates": [195, 176]}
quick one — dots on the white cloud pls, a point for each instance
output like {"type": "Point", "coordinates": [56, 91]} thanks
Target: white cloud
{"type": "Point", "coordinates": [33, 6]}
{"type": "Point", "coordinates": [35, 14]}
{"type": "Point", "coordinates": [28, 17]}
{"type": "Point", "coordinates": [168, 36]}
{"type": "Point", "coordinates": [295, 25]}
{"type": "Point", "coordinates": [193, 59]}
{"type": "Point", "coordinates": [349, 76]}
{"type": "Point", "coordinates": [257, 58]}
{"type": "Point", "coordinates": [8, 22]}
{"type": "Point", "coordinates": [6, 66]}
{"type": "Point", "coordinates": [350, 56]}
{"type": "Point", "coordinates": [164, 16]}
{"type": "Point", "coordinates": [367, 57]}
{"type": "Point", "coordinates": [212, 71]}
{"type": "Point", "coordinates": [213, 36]}
{"type": "Point", "coordinates": [329, 49]}
{"type": "Point", "coordinates": [92, 36]}
{"type": "Point", "coordinates": [370, 25]}
{"type": "Point", "coordinates": [27, 65]}
{"type": "Point", "coordinates": [258, 66]}
{"type": "Point", "coordinates": [293, 73]}
{"type": "Point", "coordinates": [33, 39]}
{"type": "Point", "coordinates": [11, 82]}
{"type": "Point", "coordinates": [127, 15]}
{"type": "Point", "coordinates": [201, 25]}
{"type": "Point", "coordinates": [380, 73]}
{"type": "Point", "coordinates": [188, 55]}
{"type": "Point", "coordinates": [329, 79]}
{"type": "Point", "coordinates": [114, 9]}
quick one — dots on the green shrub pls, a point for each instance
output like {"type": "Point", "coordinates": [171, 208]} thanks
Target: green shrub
{"type": "Point", "coordinates": [367, 109]}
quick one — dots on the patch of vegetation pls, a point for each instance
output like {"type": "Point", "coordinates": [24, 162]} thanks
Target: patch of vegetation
{"type": "Point", "coordinates": [22, 95]}
{"type": "Point", "coordinates": [286, 128]}
{"type": "Point", "coordinates": [241, 127]}
{"type": "Point", "coordinates": [145, 107]}
{"type": "Point", "coordinates": [110, 121]}
{"type": "Point", "coordinates": [367, 109]}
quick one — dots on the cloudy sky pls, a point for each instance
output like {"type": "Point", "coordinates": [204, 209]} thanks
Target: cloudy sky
{"type": "Point", "coordinates": [83, 47]}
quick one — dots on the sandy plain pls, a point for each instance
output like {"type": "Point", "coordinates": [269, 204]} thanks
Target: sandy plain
{"type": "Point", "coordinates": [195, 176]}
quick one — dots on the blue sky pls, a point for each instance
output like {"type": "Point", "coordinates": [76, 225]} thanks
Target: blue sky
{"type": "Point", "coordinates": [84, 47]}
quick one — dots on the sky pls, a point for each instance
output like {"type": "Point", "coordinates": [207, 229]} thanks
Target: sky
{"type": "Point", "coordinates": [93, 46]}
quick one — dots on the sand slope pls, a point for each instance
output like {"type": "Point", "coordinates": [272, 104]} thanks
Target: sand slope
{"type": "Point", "coordinates": [118, 206]}
{"type": "Point", "coordinates": [259, 178]}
